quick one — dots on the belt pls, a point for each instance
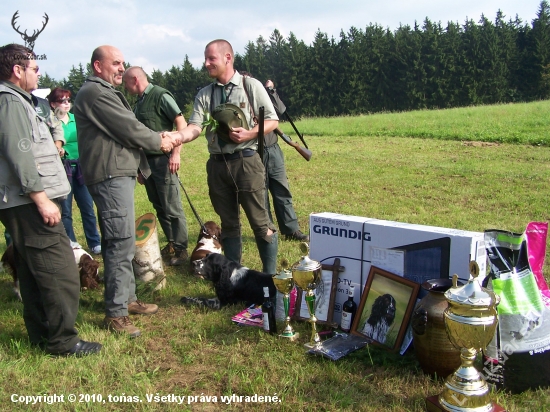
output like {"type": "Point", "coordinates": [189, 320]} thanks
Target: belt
{"type": "Point", "coordinates": [233, 156]}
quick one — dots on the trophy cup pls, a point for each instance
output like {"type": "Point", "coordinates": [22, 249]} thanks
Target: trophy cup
{"type": "Point", "coordinates": [284, 283]}
{"type": "Point", "coordinates": [470, 322]}
{"type": "Point", "coordinates": [307, 274]}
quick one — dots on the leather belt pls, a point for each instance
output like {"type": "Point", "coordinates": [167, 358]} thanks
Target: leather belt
{"type": "Point", "coordinates": [233, 156]}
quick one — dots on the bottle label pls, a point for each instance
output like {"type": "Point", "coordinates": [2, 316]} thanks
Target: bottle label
{"type": "Point", "coordinates": [266, 321]}
{"type": "Point", "coordinates": [346, 321]}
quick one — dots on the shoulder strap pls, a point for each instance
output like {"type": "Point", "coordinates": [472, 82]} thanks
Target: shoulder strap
{"type": "Point", "coordinates": [254, 118]}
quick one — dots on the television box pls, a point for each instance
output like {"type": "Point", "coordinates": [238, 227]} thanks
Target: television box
{"type": "Point", "coordinates": [416, 252]}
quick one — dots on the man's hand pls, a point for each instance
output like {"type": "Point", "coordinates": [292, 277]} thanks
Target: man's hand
{"type": "Point", "coordinates": [174, 163]}
{"type": "Point", "coordinates": [140, 178]}
{"type": "Point", "coordinates": [167, 143]}
{"type": "Point", "coordinates": [48, 210]}
{"type": "Point", "coordinates": [170, 140]}
{"type": "Point", "coordinates": [240, 134]}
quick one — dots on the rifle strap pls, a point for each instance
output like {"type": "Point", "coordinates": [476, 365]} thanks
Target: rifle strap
{"type": "Point", "coordinates": [254, 117]}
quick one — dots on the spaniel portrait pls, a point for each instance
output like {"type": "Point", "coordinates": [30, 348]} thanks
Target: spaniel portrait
{"type": "Point", "coordinates": [381, 318]}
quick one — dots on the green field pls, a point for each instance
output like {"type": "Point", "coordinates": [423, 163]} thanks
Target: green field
{"type": "Point", "coordinates": [471, 169]}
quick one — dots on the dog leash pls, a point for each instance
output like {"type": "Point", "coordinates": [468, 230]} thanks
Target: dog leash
{"type": "Point", "coordinates": [189, 200]}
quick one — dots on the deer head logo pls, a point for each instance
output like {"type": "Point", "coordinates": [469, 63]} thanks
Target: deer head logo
{"type": "Point", "coordinates": [29, 40]}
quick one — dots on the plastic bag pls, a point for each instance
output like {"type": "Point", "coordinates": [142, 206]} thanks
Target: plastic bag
{"type": "Point", "coordinates": [521, 344]}
{"type": "Point", "coordinates": [339, 346]}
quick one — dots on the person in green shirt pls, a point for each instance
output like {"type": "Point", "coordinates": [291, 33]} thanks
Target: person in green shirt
{"type": "Point", "coordinates": [60, 102]}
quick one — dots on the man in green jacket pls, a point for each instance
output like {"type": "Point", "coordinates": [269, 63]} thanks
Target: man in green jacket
{"type": "Point", "coordinates": [157, 109]}
{"type": "Point", "coordinates": [110, 139]}
{"type": "Point", "coordinates": [32, 179]}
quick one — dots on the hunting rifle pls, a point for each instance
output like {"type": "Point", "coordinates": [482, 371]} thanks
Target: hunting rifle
{"type": "Point", "coordinates": [261, 141]}
{"type": "Point", "coordinates": [306, 153]}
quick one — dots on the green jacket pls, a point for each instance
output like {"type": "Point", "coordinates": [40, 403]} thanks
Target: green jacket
{"type": "Point", "coordinates": [29, 161]}
{"type": "Point", "coordinates": [149, 111]}
{"type": "Point", "coordinates": [110, 138]}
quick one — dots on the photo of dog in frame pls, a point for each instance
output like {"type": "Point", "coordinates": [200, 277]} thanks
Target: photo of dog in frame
{"type": "Point", "coordinates": [385, 309]}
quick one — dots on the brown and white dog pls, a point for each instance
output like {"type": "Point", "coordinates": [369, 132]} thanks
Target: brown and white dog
{"type": "Point", "coordinates": [88, 269]}
{"type": "Point", "coordinates": [209, 242]}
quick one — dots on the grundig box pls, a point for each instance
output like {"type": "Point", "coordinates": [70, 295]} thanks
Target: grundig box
{"type": "Point", "coordinates": [417, 252]}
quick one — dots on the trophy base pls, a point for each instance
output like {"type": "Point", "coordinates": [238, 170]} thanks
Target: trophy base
{"type": "Point", "coordinates": [433, 405]}
{"type": "Point", "coordinates": [310, 345]}
{"type": "Point", "coordinates": [292, 337]}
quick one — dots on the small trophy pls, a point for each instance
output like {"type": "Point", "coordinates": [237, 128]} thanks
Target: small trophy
{"type": "Point", "coordinates": [307, 274]}
{"type": "Point", "coordinates": [284, 283]}
{"type": "Point", "coordinates": [470, 321]}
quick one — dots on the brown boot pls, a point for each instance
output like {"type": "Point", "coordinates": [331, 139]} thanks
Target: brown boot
{"type": "Point", "coordinates": [138, 307]}
{"type": "Point", "coordinates": [122, 324]}
{"type": "Point", "coordinates": [168, 250]}
{"type": "Point", "coordinates": [180, 256]}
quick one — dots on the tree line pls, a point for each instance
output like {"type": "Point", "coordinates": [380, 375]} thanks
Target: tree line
{"type": "Point", "coordinates": [428, 66]}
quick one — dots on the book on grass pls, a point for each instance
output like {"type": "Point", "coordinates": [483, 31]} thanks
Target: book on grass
{"type": "Point", "coordinates": [251, 316]}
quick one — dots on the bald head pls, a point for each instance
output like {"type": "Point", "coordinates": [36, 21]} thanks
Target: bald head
{"type": "Point", "coordinates": [223, 46]}
{"type": "Point", "coordinates": [108, 64]}
{"type": "Point", "coordinates": [135, 80]}
{"type": "Point", "coordinates": [218, 60]}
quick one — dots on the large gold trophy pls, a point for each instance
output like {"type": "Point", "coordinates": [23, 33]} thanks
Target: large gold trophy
{"type": "Point", "coordinates": [284, 283]}
{"type": "Point", "coordinates": [470, 322]}
{"type": "Point", "coordinates": [307, 274]}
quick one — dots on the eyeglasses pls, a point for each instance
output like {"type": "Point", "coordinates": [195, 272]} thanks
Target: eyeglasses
{"type": "Point", "coordinates": [64, 100]}
{"type": "Point", "coordinates": [35, 68]}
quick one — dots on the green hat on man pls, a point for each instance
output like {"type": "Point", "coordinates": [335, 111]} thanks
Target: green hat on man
{"type": "Point", "coordinates": [228, 116]}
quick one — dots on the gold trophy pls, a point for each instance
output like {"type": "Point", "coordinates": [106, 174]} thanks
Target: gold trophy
{"type": "Point", "coordinates": [284, 283]}
{"type": "Point", "coordinates": [307, 274]}
{"type": "Point", "coordinates": [470, 322]}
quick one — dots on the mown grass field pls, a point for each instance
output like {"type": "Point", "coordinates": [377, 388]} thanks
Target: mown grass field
{"type": "Point", "coordinates": [471, 169]}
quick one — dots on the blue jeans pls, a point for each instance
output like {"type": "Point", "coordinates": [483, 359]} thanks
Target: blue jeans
{"type": "Point", "coordinates": [86, 206]}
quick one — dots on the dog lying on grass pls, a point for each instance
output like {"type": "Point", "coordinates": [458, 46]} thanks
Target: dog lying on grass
{"type": "Point", "coordinates": [88, 269]}
{"type": "Point", "coordinates": [233, 283]}
{"type": "Point", "coordinates": [209, 242]}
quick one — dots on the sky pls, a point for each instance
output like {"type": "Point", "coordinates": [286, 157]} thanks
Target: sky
{"type": "Point", "coordinates": [159, 34]}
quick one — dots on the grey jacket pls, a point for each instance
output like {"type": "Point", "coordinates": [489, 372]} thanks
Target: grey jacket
{"type": "Point", "coordinates": [29, 161]}
{"type": "Point", "coordinates": [110, 138]}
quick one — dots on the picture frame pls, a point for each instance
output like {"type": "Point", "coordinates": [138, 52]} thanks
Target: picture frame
{"type": "Point", "coordinates": [385, 308]}
{"type": "Point", "coordinates": [325, 294]}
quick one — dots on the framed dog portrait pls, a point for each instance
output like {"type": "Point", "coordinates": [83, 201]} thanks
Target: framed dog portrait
{"type": "Point", "coordinates": [385, 308]}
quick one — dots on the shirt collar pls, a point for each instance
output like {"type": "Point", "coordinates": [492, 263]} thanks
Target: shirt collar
{"type": "Point", "coordinates": [147, 90]}
{"type": "Point", "coordinates": [236, 79]}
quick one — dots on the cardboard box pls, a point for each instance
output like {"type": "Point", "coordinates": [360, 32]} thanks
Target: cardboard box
{"type": "Point", "coordinates": [416, 252]}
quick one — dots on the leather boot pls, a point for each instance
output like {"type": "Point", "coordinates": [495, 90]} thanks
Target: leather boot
{"type": "Point", "coordinates": [268, 253]}
{"type": "Point", "coordinates": [232, 249]}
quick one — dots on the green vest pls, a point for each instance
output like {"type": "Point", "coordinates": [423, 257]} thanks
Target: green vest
{"type": "Point", "coordinates": [148, 112]}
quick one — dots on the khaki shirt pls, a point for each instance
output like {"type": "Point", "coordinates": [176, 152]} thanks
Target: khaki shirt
{"type": "Point", "coordinates": [209, 98]}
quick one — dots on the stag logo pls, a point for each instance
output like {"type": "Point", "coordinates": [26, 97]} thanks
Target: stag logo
{"type": "Point", "coordinates": [29, 40]}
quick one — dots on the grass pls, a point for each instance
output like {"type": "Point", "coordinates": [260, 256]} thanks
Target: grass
{"type": "Point", "coordinates": [366, 166]}
{"type": "Point", "coordinates": [496, 123]}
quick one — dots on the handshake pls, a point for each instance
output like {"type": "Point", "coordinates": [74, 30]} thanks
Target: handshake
{"type": "Point", "coordinates": [169, 141]}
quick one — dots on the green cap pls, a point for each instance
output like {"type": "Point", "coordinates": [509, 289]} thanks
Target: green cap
{"type": "Point", "coordinates": [228, 116]}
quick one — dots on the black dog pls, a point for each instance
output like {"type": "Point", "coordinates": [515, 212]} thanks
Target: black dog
{"type": "Point", "coordinates": [381, 318]}
{"type": "Point", "coordinates": [233, 283]}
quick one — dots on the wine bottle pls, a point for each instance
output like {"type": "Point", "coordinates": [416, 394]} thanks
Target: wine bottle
{"type": "Point", "coordinates": [348, 311]}
{"type": "Point", "coordinates": [268, 313]}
